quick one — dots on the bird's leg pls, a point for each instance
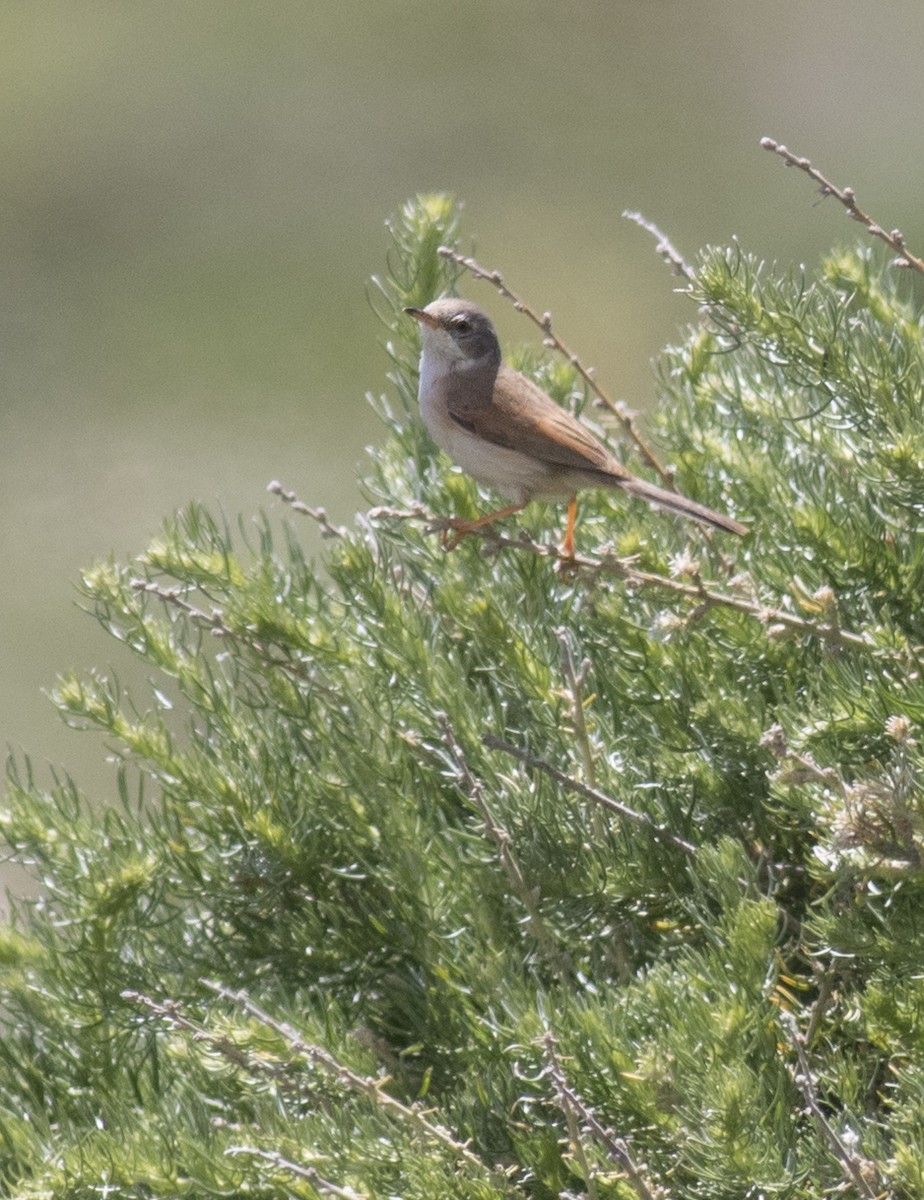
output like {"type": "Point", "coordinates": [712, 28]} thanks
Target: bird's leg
{"type": "Point", "coordinates": [456, 528]}
{"type": "Point", "coordinates": [566, 549]}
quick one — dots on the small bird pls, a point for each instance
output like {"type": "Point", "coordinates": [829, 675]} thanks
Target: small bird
{"type": "Point", "coordinates": [504, 431]}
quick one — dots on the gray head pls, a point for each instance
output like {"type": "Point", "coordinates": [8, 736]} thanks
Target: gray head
{"type": "Point", "coordinates": [457, 332]}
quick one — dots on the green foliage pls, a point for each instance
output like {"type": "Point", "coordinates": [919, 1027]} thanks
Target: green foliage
{"type": "Point", "coordinates": [399, 898]}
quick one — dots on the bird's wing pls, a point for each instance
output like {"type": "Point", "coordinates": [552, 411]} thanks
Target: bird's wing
{"type": "Point", "coordinates": [520, 416]}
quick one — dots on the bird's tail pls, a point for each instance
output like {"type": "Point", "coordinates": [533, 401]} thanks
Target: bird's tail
{"type": "Point", "coordinates": [681, 505]}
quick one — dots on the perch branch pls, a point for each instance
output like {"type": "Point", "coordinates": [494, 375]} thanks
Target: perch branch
{"type": "Point", "coordinates": [777, 620]}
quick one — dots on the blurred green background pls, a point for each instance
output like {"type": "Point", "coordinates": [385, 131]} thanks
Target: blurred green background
{"type": "Point", "coordinates": [193, 195]}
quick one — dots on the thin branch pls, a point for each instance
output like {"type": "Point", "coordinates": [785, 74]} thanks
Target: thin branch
{"type": "Point", "coordinates": [551, 339]}
{"type": "Point", "coordinates": [796, 769]}
{"type": "Point", "coordinates": [174, 598]}
{"type": "Point", "coordinates": [861, 1172]}
{"type": "Point", "coordinates": [245, 1060]}
{"type": "Point", "coordinates": [214, 622]}
{"type": "Point", "coordinates": [527, 896]}
{"type": "Point", "coordinates": [665, 246]}
{"type": "Point", "coordinates": [566, 1100]}
{"type": "Point", "coordinates": [894, 238]}
{"type": "Point", "coordinates": [777, 620]}
{"type": "Point", "coordinates": [317, 514]}
{"type": "Point", "coordinates": [577, 1113]}
{"type": "Point", "coordinates": [221, 1044]}
{"type": "Point", "coordinates": [589, 793]}
{"type": "Point", "coordinates": [324, 1186]}
{"type": "Point", "coordinates": [372, 1089]}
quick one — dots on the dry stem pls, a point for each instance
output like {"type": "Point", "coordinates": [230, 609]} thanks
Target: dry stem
{"type": "Point", "coordinates": [860, 1172]}
{"type": "Point", "coordinates": [215, 623]}
{"type": "Point", "coordinates": [589, 793]}
{"type": "Point", "coordinates": [317, 514]}
{"type": "Point", "coordinates": [580, 1117]}
{"type": "Point", "coordinates": [528, 897]}
{"type": "Point", "coordinates": [665, 246]}
{"type": "Point", "coordinates": [372, 1089]}
{"type": "Point", "coordinates": [704, 595]}
{"type": "Point", "coordinates": [321, 1185]}
{"type": "Point", "coordinates": [894, 238]}
{"type": "Point", "coordinates": [575, 678]}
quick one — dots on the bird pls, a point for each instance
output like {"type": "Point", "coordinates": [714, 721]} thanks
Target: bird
{"type": "Point", "coordinates": [505, 432]}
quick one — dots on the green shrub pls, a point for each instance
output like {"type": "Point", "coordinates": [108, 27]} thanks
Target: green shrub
{"type": "Point", "coordinates": [451, 875]}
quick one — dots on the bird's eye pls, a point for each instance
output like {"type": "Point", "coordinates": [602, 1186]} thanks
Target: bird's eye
{"type": "Point", "coordinates": [462, 324]}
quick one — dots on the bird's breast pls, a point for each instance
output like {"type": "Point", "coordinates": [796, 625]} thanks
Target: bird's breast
{"type": "Point", "coordinates": [516, 476]}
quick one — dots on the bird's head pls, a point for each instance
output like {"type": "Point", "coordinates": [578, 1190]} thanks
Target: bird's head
{"type": "Point", "coordinates": [457, 332]}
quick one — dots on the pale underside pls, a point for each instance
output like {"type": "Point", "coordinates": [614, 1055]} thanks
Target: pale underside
{"type": "Point", "coordinates": [555, 456]}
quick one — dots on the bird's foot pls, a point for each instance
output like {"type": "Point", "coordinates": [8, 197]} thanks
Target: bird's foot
{"type": "Point", "coordinates": [566, 564]}
{"type": "Point", "coordinates": [453, 529]}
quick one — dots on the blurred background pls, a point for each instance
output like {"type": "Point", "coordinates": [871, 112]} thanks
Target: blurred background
{"type": "Point", "coordinates": [193, 196]}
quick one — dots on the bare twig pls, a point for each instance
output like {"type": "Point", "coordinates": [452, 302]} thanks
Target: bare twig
{"type": "Point", "coordinates": [665, 246]}
{"type": "Point", "coordinates": [528, 897]}
{"type": "Point", "coordinates": [372, 1089]}
{"type": "Point", "coordinates": [321, 1185]}
{"type": "Point", "coordinates": [221, 1044]}
{"type": "Point", "coordinates": [578, 1116]}
{"type": "Point", "coordinates": [862, 1173]}
{"type": "Point", "coordinates": [550, 338]}
{"type": "Point", "coordinates": [796, 769]}
{"type": "Point", "coordinates": [777, 620]}
{"type": "Point", "coordinates": [589, 793]}
{"type": "Point", "coordinates": [894, 238]}
{"type": "Point", "coordinates": [317, 514]}
{"type": "Point", "coordinates": [215, 623]}
{"type": "Point", "coordinates": [567, 1103]}
{"type": "Point", "coordinates": [171, 1011]}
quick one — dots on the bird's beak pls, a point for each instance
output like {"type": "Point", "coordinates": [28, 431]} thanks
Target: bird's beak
{"type": "Point", "coordinates": [423, 317]}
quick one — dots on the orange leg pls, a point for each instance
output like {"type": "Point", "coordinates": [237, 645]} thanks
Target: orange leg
{"type": "Point", "coordinates": [567, 546]}
{"type": "Point", "coordinates": [458, 527]}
